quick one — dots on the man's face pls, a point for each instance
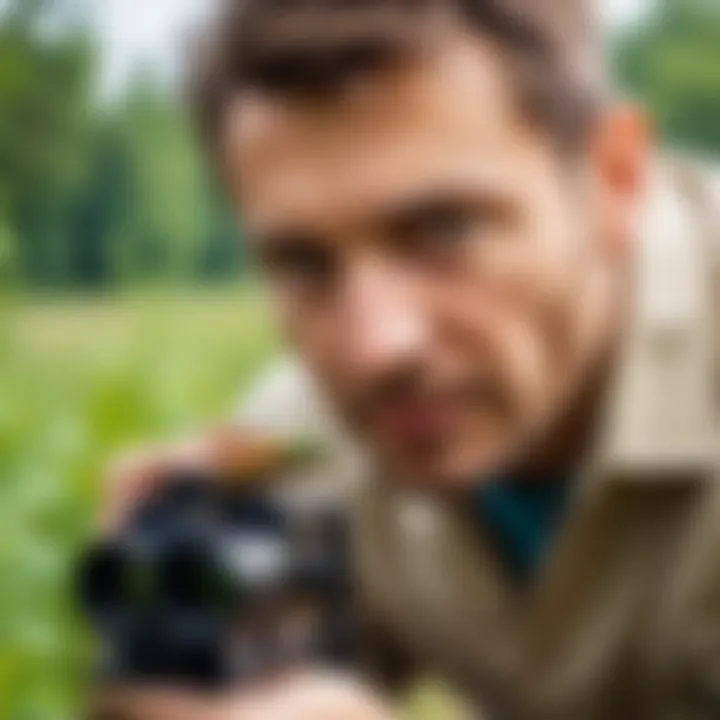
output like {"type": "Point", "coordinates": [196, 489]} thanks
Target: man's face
{"type": "Point", "coordinates": [428, 252]}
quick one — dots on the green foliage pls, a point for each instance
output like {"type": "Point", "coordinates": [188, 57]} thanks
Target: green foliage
{"type": "Point", "coordinates": [148, 212]}
{"type": "Point", "coordinates": [8, 249]}
{"type": "Point", "coordinates": [44, 115]}
{"type": "Point", "coordinates": [98, 196]}
{"type": "Point", "coordinates": [78, 383]}
{"type": "Point", "coordinates": [672, 62]}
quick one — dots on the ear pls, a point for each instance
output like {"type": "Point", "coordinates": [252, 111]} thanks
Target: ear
{"type": "Point", "coordinates": [620, 154]}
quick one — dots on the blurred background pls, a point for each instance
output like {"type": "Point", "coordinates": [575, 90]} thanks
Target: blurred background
{"type": "Point", "coordinates": [127, 310]}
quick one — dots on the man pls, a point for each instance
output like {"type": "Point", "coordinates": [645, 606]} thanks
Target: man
{"type": "Point", "coordinates": [507, 302]}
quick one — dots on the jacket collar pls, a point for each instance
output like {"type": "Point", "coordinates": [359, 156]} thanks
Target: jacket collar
{"type": "Point", "coordinates": [660, 419]}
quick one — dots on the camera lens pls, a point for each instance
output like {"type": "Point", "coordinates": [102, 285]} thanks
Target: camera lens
{"type": "Point", "coordinates": [104, 581]}
{"type": "Point", "coordinates": [192, 579]}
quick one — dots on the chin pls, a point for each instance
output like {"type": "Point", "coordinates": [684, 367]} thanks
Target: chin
{"type": "Point", "coordinates": [450, 470]}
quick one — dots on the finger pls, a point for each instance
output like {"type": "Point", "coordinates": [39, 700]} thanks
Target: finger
{"type": "Point", "coordinates": [127, 482]}
{"type": "Point", "coordinates": [137, 476]}
{"type": "Point", "coordinates": [154, 705]}
{"type": "Point", "coordinates": [307, 696]}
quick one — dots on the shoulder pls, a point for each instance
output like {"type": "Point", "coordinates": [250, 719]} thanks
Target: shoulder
{"type": "Point", "coordinates": [696, 178]}
{"type": "Point", "coordinates": [691, 187]}
{"type": "Point", "coordinates": [285, 401]}
{"type": "Point", "coordinates": [679, 248]}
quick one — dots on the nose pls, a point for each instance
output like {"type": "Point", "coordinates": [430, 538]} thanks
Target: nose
{"type": "Point", "coordinates": [386, 325]}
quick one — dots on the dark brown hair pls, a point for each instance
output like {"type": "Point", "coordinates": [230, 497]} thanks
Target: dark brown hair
{"type": "Point", "coordinates": [312, 47]}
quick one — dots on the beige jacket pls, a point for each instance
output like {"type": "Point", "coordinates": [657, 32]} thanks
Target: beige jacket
{"type": "Point", "coordinates": [625, 621]}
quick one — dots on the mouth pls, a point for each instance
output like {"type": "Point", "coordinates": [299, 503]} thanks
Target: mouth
{"type": "Point", "coordinates": [413, 422]}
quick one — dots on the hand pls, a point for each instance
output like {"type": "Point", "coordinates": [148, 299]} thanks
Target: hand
{"type": "Point", "coordinates": [137, 475]}
{"type": "Point", "coordinates": [301, 697]}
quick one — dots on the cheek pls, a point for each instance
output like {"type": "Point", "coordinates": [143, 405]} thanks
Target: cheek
{"type": "Point", "coordinates": [299, 324]}
{"type": "Point", "coordinates": [541, 292]}
{"type": "Point", "coordinates": [310, 329]}
{"type": "Point", "coordinates": [530, 268]}
{"type": "Point", "coordinates": [501, 340]}
{"type": "Point", "coordinates": [545, 266]}
{"type": "Point", "coordinates": [508, 309]}
{"type": "Point", "coordinates": [522, 361]}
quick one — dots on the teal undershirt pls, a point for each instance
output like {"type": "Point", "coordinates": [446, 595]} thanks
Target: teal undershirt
{"type": "Point", "coordinates": [523, 519]}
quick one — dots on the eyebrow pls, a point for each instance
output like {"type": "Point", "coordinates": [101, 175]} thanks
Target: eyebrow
{"type": "Point", "coordinates": [273, 248]}
{"type": "Point", "coordinates": [404, 214]}
{"type": "Point", "coordinates": [391, 217]}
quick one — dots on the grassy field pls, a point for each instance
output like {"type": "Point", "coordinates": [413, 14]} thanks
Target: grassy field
{"type": "Point", "coordinates": [79, 381]}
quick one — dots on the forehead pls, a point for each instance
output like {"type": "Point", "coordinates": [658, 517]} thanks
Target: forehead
{"type": "Point", "coordinates": [447, 119]}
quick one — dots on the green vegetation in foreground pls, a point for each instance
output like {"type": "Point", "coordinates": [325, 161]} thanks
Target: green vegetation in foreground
{"type": "Point", "coordinates": [79, 381]}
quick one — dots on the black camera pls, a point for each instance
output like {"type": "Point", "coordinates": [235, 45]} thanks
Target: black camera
{"type": "Point", "coordinates": [211, 584]}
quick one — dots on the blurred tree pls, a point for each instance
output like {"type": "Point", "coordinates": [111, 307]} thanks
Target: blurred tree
{"type": "Point", "coordinates": [223, 253]}
{"type": "Point", "coordinates": [100, 209]}
{"type": "Point", "coordinates": [672, 62]}
{"type": "Point", "coordinates": [166, 197]}
{"type": "Point", "coordinates": [44, 115]}
{"type": "Point", "coordinates": [8, 264]}
{"type": "Point", "coordinates": [97, 195]}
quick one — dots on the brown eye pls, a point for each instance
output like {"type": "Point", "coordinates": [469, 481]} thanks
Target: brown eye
{"type": "Point", "coordinates": [449, 226]}
{"type": "Point", "coordinates": [437, 230]}
{"type": "Point", "coordinates": [303, 266]}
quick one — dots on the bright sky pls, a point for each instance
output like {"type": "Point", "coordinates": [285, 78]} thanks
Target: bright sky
{"type": "Point", "coordinates": [152, 32]}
